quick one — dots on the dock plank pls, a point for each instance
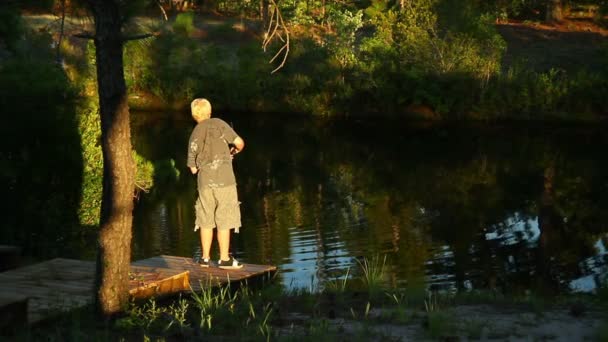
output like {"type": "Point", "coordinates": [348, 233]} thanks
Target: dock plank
{"type": "Point", "coordinates": [63, 284]}
{"type": "Point", "coordinates": [202, 276]}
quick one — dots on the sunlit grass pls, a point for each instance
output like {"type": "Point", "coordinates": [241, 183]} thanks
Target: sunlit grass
{"type": "Point", "coordinates": [210, 298]}
{"type": "Point", "coordinates": [275, 313]}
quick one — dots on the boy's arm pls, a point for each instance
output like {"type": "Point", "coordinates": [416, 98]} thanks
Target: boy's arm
{"type": "Point", "coordinates": [238, 145]}
{"type": "Point", "coordinates": [192, 149]}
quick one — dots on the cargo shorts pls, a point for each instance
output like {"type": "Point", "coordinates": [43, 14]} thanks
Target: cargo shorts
{"type": "Point", "coordinates": [218, 207]}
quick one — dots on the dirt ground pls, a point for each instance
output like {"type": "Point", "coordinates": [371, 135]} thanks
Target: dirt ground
{"type": "Point", "coordinates": [469, 323]}
{"type": "Point", "coordinates": [572, 45]}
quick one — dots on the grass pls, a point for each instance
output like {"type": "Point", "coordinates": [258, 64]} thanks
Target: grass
{"type": "Point", "coordinates": [337, 284]}
{"type": "Point", "coordinates": [374, 273]}
{"type": "Point", "coordinates": [475, 328]}
{"type": "Point", "coordinates": [602, 331]}
{"type": "Point", "coordinates": [441, 324]}
{"type": "Point", "coordinates": [338, 309]}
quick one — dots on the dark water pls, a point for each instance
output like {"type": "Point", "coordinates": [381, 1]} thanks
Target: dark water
{"type": "Point", "coordinates": [508, 208]}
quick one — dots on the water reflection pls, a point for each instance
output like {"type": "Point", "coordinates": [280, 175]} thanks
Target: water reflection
{"type": "Point", "coordinates": [503, 208]}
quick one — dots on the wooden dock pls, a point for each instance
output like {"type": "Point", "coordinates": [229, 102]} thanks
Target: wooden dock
{"type": "Point", "coordinates": [59, 284]}
{"type": "Point", "coordinates": [201, 276]}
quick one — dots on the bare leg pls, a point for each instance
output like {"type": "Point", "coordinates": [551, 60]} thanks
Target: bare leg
{"type": "Point", "coordinates": [206, 238]}
{"type": "Point", "coordinates": [223, 238]}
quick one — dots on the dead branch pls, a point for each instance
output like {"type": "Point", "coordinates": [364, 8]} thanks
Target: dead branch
{"type": "Point", "coordinates": [162, 10]}
{"type": "Point", "coordinates": [277, 29]}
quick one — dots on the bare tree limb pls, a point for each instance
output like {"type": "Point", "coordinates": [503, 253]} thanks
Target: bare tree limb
{"type": "Point", "coordinates": [278, 53]}
{"type": "Point", "coordinates": [272, 30]}
{"type": "Point", "coordinates": [162, 10]}
{"type": "Point", "coordinates": [277, 29]}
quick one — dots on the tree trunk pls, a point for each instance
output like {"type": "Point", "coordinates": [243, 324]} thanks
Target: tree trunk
{"type": "Point", "coordinates": [264, 15]}
{"type": "Point", "coordinates": [554, 11]}
{"type": "Point", "coordinates": [114, 256]}
{"type": "Point", "coordinates": [61, 31]}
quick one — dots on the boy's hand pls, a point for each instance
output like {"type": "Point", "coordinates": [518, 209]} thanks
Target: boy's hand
{"type": "Point", "coordinates": [193, 169]}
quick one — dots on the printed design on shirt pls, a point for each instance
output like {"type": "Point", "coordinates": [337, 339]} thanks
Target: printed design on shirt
{"type": "Point", "coordinates": [214, 185]}
{"type": "Point", "coordinates": [215, 164]}
{"type": "Point", "coordinates": [193, 146]}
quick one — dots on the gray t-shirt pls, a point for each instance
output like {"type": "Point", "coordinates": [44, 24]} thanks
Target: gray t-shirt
{"type": "Point", "coordinates": [208, 151]}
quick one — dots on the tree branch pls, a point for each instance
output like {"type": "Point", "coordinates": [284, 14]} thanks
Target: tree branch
{"type": "Point", "coordinates": [162, 10]}
{"type": "Point", "coordinates": [140, 36]}
{"type": "Point", "coordinates": [276, 30]}
{"type": "Point", "coordinates": [84, 35]}
{"type": "Point", "coordinates": [88, 35]}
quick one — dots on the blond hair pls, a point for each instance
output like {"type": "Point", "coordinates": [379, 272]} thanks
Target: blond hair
{"type": "Point", "coordinates": [201, 109]}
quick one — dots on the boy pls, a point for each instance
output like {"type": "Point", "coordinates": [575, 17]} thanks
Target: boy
{"type": "Point", "coordinates": [212, 145]}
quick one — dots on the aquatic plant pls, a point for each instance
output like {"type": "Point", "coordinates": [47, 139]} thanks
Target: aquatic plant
{"type": "Point", "coordinates": [374, 272]}
{"type": "Point", "coordinates": [431, 304]}
{"type": "Point", "coordinates": [337, 284]}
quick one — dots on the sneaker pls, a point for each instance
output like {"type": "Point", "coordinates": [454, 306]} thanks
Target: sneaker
{"type": "Point", "coordinates": [204, 262]}
{"type": "Point", "coordinates": [230, 264]}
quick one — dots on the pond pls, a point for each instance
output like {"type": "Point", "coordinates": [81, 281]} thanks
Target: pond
{"type": "Point", "coordinates": [455, 207]}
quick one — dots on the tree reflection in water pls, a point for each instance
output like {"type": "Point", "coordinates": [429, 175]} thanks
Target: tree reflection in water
{"type": "Point", "coordinates": [505, 208]}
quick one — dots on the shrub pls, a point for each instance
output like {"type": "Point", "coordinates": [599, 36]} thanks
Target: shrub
{"type": "Point", "coordinates": [184, 24]}
{"type": "Point", "coordinates": [39, 149]}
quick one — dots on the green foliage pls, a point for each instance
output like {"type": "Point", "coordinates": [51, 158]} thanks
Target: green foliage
{"type": "Point", "coordinates": [138, 64]}
{"type": "Point", "coordinates": [376, 8]}
{"type": "Point", "coordinates": [230, 7]}
{"type": "Point", "coordinates": [524, 94]}
{"type": "Point", "coordinates": [342, 44]}
{"type": "Point", "coordinates": [92, 175]}
{"type": "Point", "coordinates": [255, 87]}
{"type": "Point", "coordinates": [41, 163]}
{"type": "Point", "coordinates": [154, 318]}
{"type": "Point", "coordinates": [11, 26]}
{"type": "Point", "coordinates": [442, 55]}
{"type": "Point", "coordinates": [184, 24]}
{"type": "Point", "coordinates": [413, 58]}
{"type": "Point", "coordinates": [147, 172]}
{"type": "Point", "coordinates": [168, 67]}
{"type": "Point", "coordinates": [144, 176]}
{"type": "Point", "coordinates": [300, 14]}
